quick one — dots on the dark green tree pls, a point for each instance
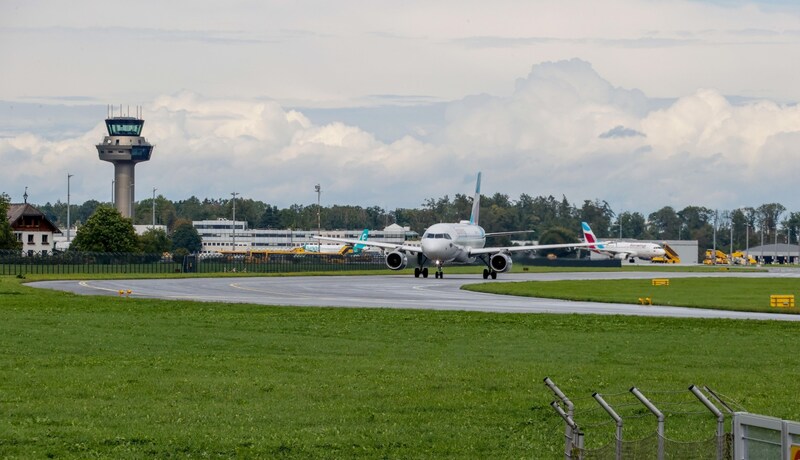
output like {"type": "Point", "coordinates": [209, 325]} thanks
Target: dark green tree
{"type": "Point", "coordinates": [557, 235]}
{"type": "Point", "coordinates": [665, 224]}
{"type": "Point", "coordinates": [7, 238]}
{"type": "Point", "coordinates": [633, 226]}
{"type": "Point", "coordinates": [270, 218]}
{"type": "Point", "coordinates": [191, 209]}
{"type": "Point", "coordinates": [769, 215]}
{"type": "Point", "coordinates": [598, 214]}
{"type": "Point", "coordinates": [106, 231]}
{"type": "Point", "coordinates": [155, 241]}
{"type": "Point", "coordinates": [81, 213]}
{"type": "Point", "coordinates": [185, 236]}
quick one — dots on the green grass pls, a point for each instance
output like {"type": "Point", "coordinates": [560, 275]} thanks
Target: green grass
{"type": "Point", "coordinates": [742, 294]}
{"type": "Point", "coordinates": [108, 377]}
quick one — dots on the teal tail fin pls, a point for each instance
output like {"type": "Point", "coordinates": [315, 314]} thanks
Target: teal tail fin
{"type": "Point", "coordinates": [476, 203]}
{"type": "Point", "coordinates": [359, 247]}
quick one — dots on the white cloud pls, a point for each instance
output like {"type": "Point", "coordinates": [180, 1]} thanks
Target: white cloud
{"type": "Point", "coordinates": [547, 137]}
{"type": "Point", "coordinates": [318, 51]}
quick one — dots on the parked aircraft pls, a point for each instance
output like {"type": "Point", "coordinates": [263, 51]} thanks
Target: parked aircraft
{"type": "Point", "coordinates": [337, 248]}
{"type": "Point", "coordinates": [461, 242]}
{"type": "Point", "coordinates": [621, 250]}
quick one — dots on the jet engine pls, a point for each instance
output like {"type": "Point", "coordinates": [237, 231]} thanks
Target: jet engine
{"type": "Point", "coordinates": [396, 260]}
{"type": "Point", "coordinates": [500, 262]}
{"type": "Point", "coordinates": [620, 256]}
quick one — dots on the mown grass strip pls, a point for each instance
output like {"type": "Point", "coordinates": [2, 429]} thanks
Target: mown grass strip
{"type": "Point", "coordinates": [742, 294]}
{"type": "Point", "coordinates": [131, 378]}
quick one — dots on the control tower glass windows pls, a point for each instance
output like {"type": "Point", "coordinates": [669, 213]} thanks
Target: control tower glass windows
{"type": "Point", "coordinates": [124, 126]}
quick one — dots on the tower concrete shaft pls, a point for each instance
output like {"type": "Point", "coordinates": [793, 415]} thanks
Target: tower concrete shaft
{"type": "Point", "coordinates": [124, 187]}
{"type": "Point", "coordinates": [124, 147]}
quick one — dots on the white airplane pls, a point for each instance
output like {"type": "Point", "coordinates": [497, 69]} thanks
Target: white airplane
{"type": "Point", "coordinates": [336, 248]}
{"type": "Point", "coordinates": [621, 250]}
{"type": "Point", "coordinates": [461, 243]}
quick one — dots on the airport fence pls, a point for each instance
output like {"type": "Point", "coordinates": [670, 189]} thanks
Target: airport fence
{"type": "Point", "coordinates": [697, 429]}
{"type": "Point", "coordinates": [73, 262]}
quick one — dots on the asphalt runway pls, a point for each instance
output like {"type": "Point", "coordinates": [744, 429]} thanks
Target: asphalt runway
{"type": "Point", "coordinates": [395, 291]}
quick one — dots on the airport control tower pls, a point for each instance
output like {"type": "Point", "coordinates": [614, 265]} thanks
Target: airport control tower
{"type": "Point", "coordinates": [124, 147]}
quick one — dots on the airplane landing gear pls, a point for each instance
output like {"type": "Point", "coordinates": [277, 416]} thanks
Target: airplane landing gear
{"type": "Point", "coordinates": [420, 271]}
{"type": "Point", "coordinates": [487, 273]}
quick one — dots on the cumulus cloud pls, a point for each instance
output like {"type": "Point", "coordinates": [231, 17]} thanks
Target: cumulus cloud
{"type": "Point", "coordinates": [564, 130]}
{"type": "Point", "coordinates": [620, 131]}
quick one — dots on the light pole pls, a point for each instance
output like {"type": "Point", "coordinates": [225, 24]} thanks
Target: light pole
{"type": "Point", "coordinates": [318, 189]}
{"type": "Point", "coordinates": [788, 243]}
{"type": "Point", "coordinates": [154, 207]}
{"type": "Point", "coordinates": [68, 223]}
{"type": "Point", "coordinates": [747, 243]}
{"type": "Point", "coordinates": [731, 253]}
{"type": "Point", "coordinates": [234, 219]}
{"type": "Point", "coordinates": [714, 253]}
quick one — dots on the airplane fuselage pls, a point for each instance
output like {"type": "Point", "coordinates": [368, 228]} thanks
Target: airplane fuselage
{"type": "Point", "coordinates": [445, 243]}
{"type": "Point", "coordinates": [644, 251]}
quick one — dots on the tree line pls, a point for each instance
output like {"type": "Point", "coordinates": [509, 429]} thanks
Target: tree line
{"type": "Point", "coordinates": [499, 213]}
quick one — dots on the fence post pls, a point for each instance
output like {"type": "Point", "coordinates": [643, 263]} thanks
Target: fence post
{"type": "Point", "coordinates": [575, 438]}
{"type": "Point", "coordinates": [720, 418]}
{"type": "Point", "coordinates": [659, 416]}
{"type": "Point", "coordinates": [568, 431]}
{"type": "Point", "coordinates": [617, 420]}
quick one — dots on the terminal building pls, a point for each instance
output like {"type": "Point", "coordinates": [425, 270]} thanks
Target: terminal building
{"type": "Point", "coordinates": [222, 235]}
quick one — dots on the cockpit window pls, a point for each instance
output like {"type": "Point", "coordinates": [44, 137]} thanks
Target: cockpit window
{"type": "Point", "coordinates": [442, 236]}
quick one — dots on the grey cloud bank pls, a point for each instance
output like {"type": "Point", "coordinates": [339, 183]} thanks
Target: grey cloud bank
{"type": "Point", "coordinates": [670, 103]}
{"type": "Point", "coordinates": [565, 130]}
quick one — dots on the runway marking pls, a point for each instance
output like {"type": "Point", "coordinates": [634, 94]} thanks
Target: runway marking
{"type": "Point", "coordinates": [87, 285]}
{"type": "Point", "coordinates": [273, 292]}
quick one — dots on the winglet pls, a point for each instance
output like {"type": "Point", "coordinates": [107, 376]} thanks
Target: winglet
{"type": "Point", "coordinates": [476, 202]}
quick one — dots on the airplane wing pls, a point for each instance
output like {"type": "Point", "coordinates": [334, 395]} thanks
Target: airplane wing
{"type": "Point", "coordinates": [535, 247]}
{"type": "Point", "coordinates": [516, 232]}
{"type": "Point", "coordinates": [374, 244]}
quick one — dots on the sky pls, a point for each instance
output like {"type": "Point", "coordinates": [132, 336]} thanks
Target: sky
{"type": "Point", "coordinates": [640, 103]}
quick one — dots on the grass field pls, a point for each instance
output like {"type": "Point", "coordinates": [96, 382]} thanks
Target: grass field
{"type": "Point", "coordinates": [743, 294]}
{"type": "Point", "coordinates": [104, 377]}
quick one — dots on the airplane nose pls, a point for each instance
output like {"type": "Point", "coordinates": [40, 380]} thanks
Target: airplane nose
{"type": "Point", "coordinates": [435, 248]}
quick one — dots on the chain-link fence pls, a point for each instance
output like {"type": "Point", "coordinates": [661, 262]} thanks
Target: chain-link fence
{"type": "Point", "coordinates": [14, 263]}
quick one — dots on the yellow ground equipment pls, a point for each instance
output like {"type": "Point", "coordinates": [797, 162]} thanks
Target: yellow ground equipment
{"type": "Point", "coordinates": [671, 257]}
{"type": "Point", "coordinates": [721, 258]}
{"type": "Point", "coordinates": [739, 258]}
